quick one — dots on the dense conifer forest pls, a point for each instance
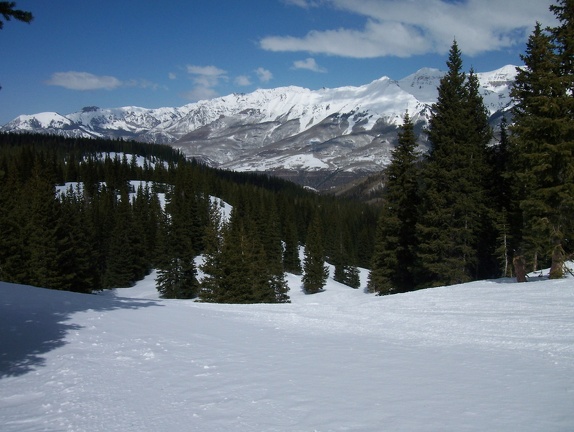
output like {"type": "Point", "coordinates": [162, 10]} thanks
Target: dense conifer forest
{"type": "Point", "coordinates": [131, 207]}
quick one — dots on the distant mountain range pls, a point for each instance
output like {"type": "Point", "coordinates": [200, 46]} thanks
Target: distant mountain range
{"type": "Point", "coordinates": [318, 138]}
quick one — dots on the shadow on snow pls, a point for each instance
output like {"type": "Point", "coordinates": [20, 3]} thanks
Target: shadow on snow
{"type": "Point", "coordinates": [34, 321]}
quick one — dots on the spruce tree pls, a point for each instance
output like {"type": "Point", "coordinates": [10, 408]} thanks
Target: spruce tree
{"type": "Point", "coordinates": [77, 262]}
{"type": "Point", "coordinates": [291, 260]}
{"type": "Point", "coordinates": [315, 272]}
{"type": "Point", "coordinates": [177, 278]}
{"type": "Point", "coordinates": [543, 143]}
{"type": "Point", "coordinates": [42, 229]}
{"type": "Point", "coordinates": [176, 271]}
{"type": "Point", "coordinates": [13, 241]}
{"type": "Point", "coordinates": [270, 234]}
{"type": "Point", "coordinates": [120, 255]}
{"type": "Point", "coordinates": [210, 289]}
{"type": "Point", "coordinates": [239, 281]}
{"type": "Point", "coordinates": [563, 39]}
{"type": "Point", "coordinates": [453, 193]}
{"type": "Point", "coordinates": [394, 260]}
{"type": "Point", "coordinates": [8, 12]}
{"type": "Point", "coordinates": [177, 275]}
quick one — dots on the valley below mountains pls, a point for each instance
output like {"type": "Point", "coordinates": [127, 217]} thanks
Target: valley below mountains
{"type": "Point", "coordinates": [318, 138]}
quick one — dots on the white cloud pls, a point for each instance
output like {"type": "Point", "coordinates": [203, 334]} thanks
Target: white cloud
{"type": "Point", "coordinates": [213, 71]}
{"type": "Point", "coordinates": [74, 80]}
{"type": "Point", "coordinates": [242, 80]}
{"type": "Point", "coordinates": [141, 83]}
{"type": "Point", "coordinates": [200, 93]}
{"type": "Point", "coordinates": [263, 74]}
{"type": "Point", "coordinates": [205, 78]}
{"type": "Point", "coordinates": [302, 3]}
{"type": "Point", "coordinates": [309, 64]}
{"type": "Point", "coordinates": [405, 28]}
{"type": "Point", "coordinates": [172, 76]}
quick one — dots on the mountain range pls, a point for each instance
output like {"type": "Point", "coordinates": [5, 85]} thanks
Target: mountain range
{"type": "Point", "coordinates": [319, 138]}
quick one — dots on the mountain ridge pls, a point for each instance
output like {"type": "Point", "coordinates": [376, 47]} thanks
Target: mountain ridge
{"type": "Point", "coordinates": [294, 132]}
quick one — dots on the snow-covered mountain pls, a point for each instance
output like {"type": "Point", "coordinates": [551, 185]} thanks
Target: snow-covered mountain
{"type": "Point", "coordinates": [341, 132]}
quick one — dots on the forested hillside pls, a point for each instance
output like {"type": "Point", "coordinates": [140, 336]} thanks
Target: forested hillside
{"type": "Point", "coordinates": [110, 226]}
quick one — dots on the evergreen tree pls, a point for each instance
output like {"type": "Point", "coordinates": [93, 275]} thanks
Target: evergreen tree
{"type": "Point", "coordinates": [77, 263]}
{"type": "Point", "coordinates": [393, 264]}
{"type": "Point", "coordinates": [563, 38]}
{"type": "Point", "coordinates": [315, 272]}
{"type": "Point", "coordinates": [101, 215]}
{"type": "Point", "coordinates": [241, 277]}
{"type": "Point", "coordinates": [543, 143]}
{"type": "Point", "coordinates": [8, 12]}
{"type": "Point", "coordinates": [342, 255]}
{"type": "Point", "coordinates": [13, 241]}
{"type": "Point", "coordinates": [213, 240]}
{"type": "Point", "coordinates": [177, 275]}
{"type": "Point", "coordinates": [291, 260]}
{"type": "Point", "coordinates": [352, 276]}
{"type": "Point", "coordinates": [42, 229]}
{"type": "Point", "coordinates": [453, 194]}
{"type": "Point", "coordinates": [120, 257]}
{"type": "Point", "coordinates": [242, 259]}
{"type": "Point", "coordinates": [337, 255]}
{"type": "Point", "coordinates": [177, 278]}
{"type": "Point", "coordinates": [270, 235]}
{"type": "Point", "coordinates": [139, 231]}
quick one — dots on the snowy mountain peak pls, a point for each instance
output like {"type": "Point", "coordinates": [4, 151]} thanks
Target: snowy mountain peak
{"type": "Point", "coordinates": [348, 130]}
{"type": "Point", "coordinates": [423, 84]}
{"type": "Point", "coordinates": [43, 121]}
{"type": "Point", "coordinates": [498, 80]}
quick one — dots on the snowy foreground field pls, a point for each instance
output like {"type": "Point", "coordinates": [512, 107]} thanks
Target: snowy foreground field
{"type": "Point", "coordinates": [485, 356]}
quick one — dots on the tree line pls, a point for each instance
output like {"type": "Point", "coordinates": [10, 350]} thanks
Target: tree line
{"type": "Point", "coordinates": [132, 207]}
{"type": "Point", "coordinates": [469, 209]}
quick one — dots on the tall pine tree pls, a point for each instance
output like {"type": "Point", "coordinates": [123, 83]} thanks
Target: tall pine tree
{"type": "Point", "coordinates": [453, 194]}
{"type": "Point", "coordinates": [177, 275]}
{"type": "Point", "coordinates": [394, 259]}
{"type": "Point", "coordinates": [314, 270]}
{"type": "Point", "coordinates": [210, 288]}
{"type": "Point", "coordinates": [543, 142]}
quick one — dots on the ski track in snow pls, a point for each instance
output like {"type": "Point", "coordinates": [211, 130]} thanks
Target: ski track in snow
{"type": "Point", "coordinates": [488, 355]}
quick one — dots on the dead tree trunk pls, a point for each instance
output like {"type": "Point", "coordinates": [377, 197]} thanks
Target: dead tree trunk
{"type": "Point", "coordinates": [519, 268]}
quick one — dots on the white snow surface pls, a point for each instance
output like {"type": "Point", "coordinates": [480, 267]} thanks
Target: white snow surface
{"type": "Point", "coordinates": [484, 356]}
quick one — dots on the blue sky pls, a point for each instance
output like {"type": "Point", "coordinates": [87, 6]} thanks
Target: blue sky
{"type": "Point", "coordinates": [112, 53]}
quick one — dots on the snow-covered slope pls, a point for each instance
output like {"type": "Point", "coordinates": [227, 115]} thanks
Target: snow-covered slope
{"type": "Point", "coordinates": [343, 130]}
{"type": "Point", "coordinates": [485, 356]}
